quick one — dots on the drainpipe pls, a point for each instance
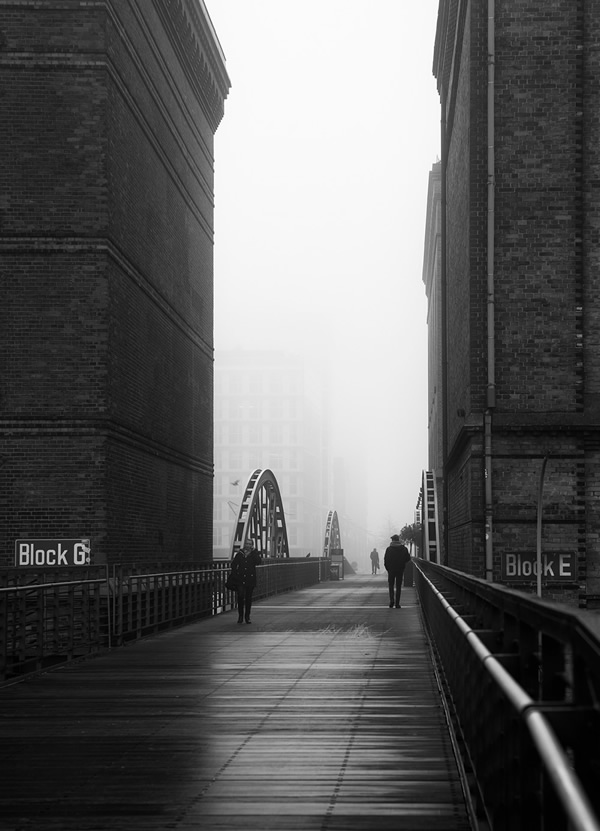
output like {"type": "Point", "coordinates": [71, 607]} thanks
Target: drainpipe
{"type": "Point", "coordinates": [491, 355]}
{"type": "Point", "coordinates": [444, 335]}
{"type": "Point", "coordinates": [540, 506]}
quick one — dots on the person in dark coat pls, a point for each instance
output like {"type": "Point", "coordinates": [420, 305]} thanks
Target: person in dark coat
{"type": "Point", "coordinates": [394, 560]}
{"type": "Point", "coordinates": [243, 571]}
{"type": "Point", "coordinates": [374, 560]}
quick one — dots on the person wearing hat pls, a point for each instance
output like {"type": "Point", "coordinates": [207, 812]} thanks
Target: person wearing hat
{"type": "Point", "coordinates": [394, 560]}
{"type": "Point", "coordinates": [243, 571]}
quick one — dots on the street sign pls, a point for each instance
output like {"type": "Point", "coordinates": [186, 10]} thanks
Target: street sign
{"type": "Point", "coordinates": [557, 567]}
{"type": "Point", "coordinates": [52, 553]}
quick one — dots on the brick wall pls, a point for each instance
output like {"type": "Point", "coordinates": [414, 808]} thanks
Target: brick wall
{"type": "Point", "coordinates": [545, 277]}
{"type": "Point", "coordinates": [465, 288]}
{"type": "Point", "coordinates": [457, 249]}
{"type": "Point", "coordinates": [538, 269]}
{"type": "Point", "coordinates": [106, 234]}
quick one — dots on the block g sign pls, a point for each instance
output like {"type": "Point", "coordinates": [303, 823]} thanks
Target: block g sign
{"type": "Point", "coordinates": [52, 553]}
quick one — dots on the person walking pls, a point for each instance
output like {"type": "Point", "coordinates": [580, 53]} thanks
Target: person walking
{"type": "Point", "coordinates": [374, 561]}
{"type": "Point", "coordinates": [394, 560]}
{"type": "Point", "coordinates": [243, 571]}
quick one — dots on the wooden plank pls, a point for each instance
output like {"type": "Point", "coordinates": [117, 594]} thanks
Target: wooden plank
{"type": "Point", "coordinates": [321, 714]}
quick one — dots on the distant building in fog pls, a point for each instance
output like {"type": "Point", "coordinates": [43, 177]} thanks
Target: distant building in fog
{"type": "Point", "coordinates": [350, 488]}
{"type": "Point", "coordinates": [106, 336]}
{"type": "Point", "coordinates": [269, 414]}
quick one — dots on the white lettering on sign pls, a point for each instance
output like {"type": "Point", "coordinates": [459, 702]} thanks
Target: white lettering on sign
{"type": "Point", "coordinates": [52, 553]}
{"type": "Point", "coordinates": [524, 566]}
{"type": "Point", "coordinates": [81, 554]}
{"type": "Point", "coordinates": [565, 567]}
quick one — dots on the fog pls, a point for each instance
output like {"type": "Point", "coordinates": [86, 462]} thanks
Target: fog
{"type": "Point", "coordinates": [321, 172]}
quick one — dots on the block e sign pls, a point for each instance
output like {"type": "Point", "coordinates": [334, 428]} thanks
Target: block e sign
{"type": "Point", "coordinates": [52, 553]}
{"type": "Point", "coordinates": [556, 567]}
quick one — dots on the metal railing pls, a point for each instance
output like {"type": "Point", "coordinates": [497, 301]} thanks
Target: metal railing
{"type": "Point", "coordinates": [46, 623]}
{"type": "Point", "coordinates": [146, 602]}
{"type": "Point", "coordinates": [523, 678]}
{"type": "Point", "coordinates": [50, 617]}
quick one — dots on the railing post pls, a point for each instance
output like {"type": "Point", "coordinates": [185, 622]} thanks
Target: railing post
{"type": "Point", "coordinates": [552, 669]}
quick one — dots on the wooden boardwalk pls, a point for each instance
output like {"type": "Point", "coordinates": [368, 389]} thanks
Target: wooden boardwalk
{"type": "Point", "coordinates": [321, 714]}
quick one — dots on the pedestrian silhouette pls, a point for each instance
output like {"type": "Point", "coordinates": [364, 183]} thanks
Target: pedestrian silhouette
{"type": "Point", "coordinates": [374, 561]}
{"type": "Point", "coordinates": [394, 560]}
{"type": "Point", "coordinates": [243, 571]}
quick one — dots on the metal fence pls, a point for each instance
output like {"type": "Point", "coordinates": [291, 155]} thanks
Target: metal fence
{"type": "Point", "coordinates": [44, 623]}
{"type": "Point", "coordinates": [523, 678]}
{"type": "Point", "coordinates": [58, 615]}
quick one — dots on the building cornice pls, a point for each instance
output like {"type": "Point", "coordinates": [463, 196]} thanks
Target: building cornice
{"type": "Point", "coordinates": [195, 42]}
{"type": "Point", "coordinates": [433, 225]}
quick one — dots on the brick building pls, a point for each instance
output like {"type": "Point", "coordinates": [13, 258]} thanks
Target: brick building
{"type": "Point", "coordinates": [106, 235]}
{"type": "Point", "coordinates": [520, 323]}
{"type": "Point", "coordinates": [432, 275]}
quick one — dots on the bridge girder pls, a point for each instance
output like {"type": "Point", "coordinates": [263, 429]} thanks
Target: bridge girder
{"type": "Point", "coordinates": [333, 538]}
{"type": "Point", "coordinates": [261, 519]}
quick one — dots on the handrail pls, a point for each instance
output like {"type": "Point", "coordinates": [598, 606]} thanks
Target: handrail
{"type": "Point", "coordinates": [166, 573]}
{"type": "Point", "coordinates": [45, 586]}
{"type": "Point", "coordinates": [470, 695]}
{"type": "Point", "coordinates": [568, 787]}
{"type": "Point", "coordinates": [224, 565]}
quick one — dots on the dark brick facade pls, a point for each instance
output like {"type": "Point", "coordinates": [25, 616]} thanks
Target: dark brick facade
{"type": "Point", "coordinates": [546, 321]}
{"type": "Point", "coordinates": [106, 235]}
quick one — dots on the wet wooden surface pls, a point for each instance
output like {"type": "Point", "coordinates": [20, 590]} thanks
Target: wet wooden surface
{"type": "Point", "coordinates": [323, 713]}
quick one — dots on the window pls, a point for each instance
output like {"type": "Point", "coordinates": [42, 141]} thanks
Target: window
{"type": "Point", "coordinates": [276, 383]}
{"type": "Point", "coordinates": [255, 384]}
{"type": "Point", "coordinates": [235, 409]}
{"type": "Point", "coordinates": [254, 410]}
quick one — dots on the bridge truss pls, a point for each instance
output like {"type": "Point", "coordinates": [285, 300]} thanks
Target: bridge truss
{"type": "Point", "coordinates": [261, 520]}
{"type": "Point", "coordinates": [431, 532]}
{"type": "Point", "coordinates": [333, 539]}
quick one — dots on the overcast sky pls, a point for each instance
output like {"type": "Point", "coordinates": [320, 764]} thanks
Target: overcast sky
{"type": "Point", "coordinates": [322, 162]}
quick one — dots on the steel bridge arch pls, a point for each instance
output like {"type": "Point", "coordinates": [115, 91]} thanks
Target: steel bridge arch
{"type": "Point", "coordinates": [333, 539]}
{"type": "Point", "coordinates": [261, 520]}
{"type": "Point", "coordinates": [430, 521]}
